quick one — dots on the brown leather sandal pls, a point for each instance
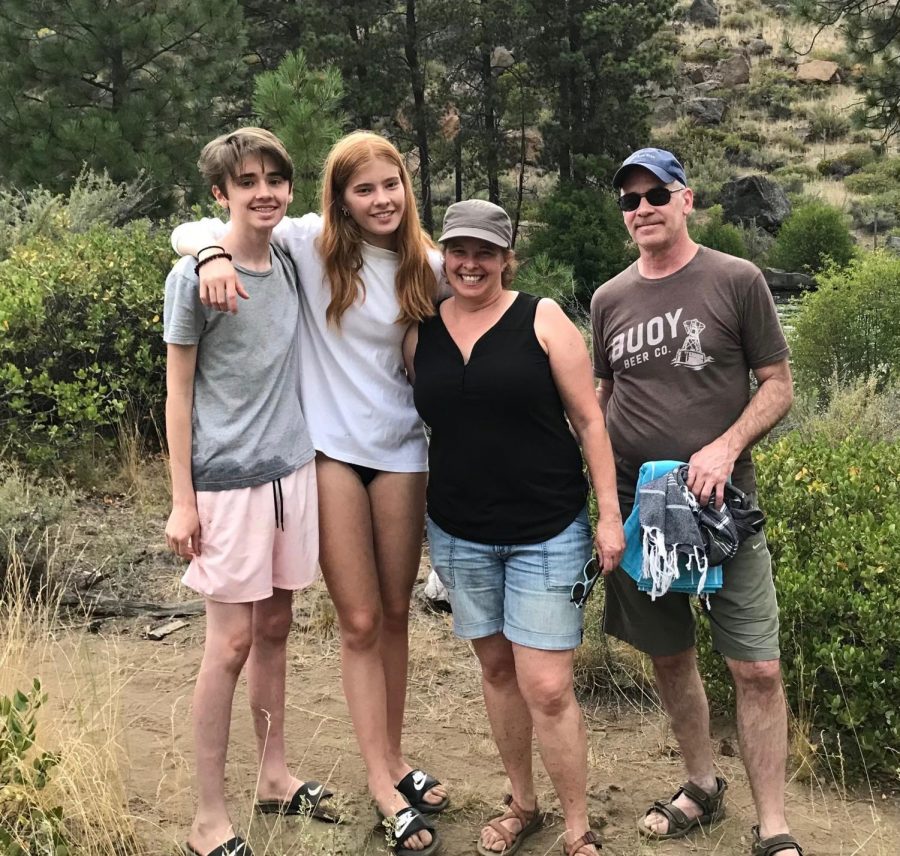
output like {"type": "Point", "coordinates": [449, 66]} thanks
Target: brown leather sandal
{"type": "Point", "coordinates": [532, 820]}
{"type": "Point", "coordinates": [712, 808]}
{"type": "Point", "coordinates": [575, 847]}
{"type": "Point", "coordinates": [773, 844]}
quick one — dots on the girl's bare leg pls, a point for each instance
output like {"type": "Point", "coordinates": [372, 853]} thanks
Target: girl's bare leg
{"type": "Point", "coordinates": [348, 558]}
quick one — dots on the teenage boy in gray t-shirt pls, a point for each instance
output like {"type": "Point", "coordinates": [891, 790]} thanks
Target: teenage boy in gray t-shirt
{"type": "Point", "coordinates": [243, 481]}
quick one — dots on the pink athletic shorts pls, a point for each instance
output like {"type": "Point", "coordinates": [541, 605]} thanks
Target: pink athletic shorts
{"type": "Point", "coordinates": [256, 539]}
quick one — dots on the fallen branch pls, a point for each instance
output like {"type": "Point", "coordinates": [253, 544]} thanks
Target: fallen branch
{"type": "Point", "coordinates": [164, 630]}
{"type": "Point", "coordinates": [103, 606]}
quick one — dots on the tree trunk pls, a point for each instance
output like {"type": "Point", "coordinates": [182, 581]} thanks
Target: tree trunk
{"type": "Point", "coordinates": [417, 78]}
{"type": "Point", "coordinates": [491, 159]}
{"type": "Point", "coordinates": [520, 185]}
{"type": "Point", "coordinates": [577, 106]}
{"type": "Point", "coordinates": [458, 166]}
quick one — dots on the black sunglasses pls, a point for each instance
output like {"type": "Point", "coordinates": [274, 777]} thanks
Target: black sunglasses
{"type": "Point", "coordinates": [656, 196]}
{"type": "Point", "coordinates": [581, 591]}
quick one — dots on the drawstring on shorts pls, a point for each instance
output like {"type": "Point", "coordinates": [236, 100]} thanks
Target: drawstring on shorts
{"type": "Point", "coordinates": [278, 496]}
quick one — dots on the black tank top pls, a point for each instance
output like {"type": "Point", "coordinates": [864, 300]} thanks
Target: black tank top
{"type": "Point", "coordinates": [503, 466]}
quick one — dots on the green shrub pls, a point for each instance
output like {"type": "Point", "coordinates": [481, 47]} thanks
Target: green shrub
{"type": "Point", "coordinates": [850, 327]}
{"type": "Point", "coordinates": [80, 336]}
{"type": "Point", "coordinates": [582, 228]}
{"type": "Point", "coordinates": [876, 213]}
{"type": "Point", "coordinates": [791, 182]}
{"type": "Point", "coordinates": [25, 216]}
{"type": "Point", "coordinates": [880, 176]}
{"type": "Point", "coordinates": [94, 199]}
{"type": "Point", "coordinates": [833, 518]}
{"type": "Point", "coordinates": [718, 235]}
{"type": "Point", "coordinates": [851, 161]}
{"type": "Point", "coordinates": [811, 235]}
{"type": "Point", "coordinates": [708, 50]}
{"type": "Point", "coordinates": [806, 172]}
{"type": "Point", "coordinates": [28, 827]}
{"type": "Point", "coordinates": [773, 90]}
{"type": "Point", "coordinates": [741, 21]}
{"type": "Point", "coordinates": [868, 183]}
{"type": "Point", "coordinates": [787, 139]}
{"type": "Point", "coordinates": [757, 241]}
{"type": "Point", "coordinates": [858, 409]}
{"type": "Point", "coordinates": [708, 173]}
{"type": "Point", "coordinates": [826, 123]}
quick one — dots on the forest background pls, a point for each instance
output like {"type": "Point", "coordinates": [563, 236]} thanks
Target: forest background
{"type": "Point", "coordinates": [531, 104]}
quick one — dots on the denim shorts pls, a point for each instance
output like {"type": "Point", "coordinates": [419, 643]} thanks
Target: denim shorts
{"type": "Point", "coordinates": [521, 590]}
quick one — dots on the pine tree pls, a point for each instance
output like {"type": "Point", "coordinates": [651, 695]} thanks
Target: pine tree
{"type": "Point", "coordinates": [121, 86]}
{"type": "Point", "coordinates": [872, 32]}
{"type": "Point", "coordinates": [597, 58]}
{"type": "Point", "coordinates": [302, 107]}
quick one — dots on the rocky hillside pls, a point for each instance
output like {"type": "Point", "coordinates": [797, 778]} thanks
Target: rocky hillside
{"type": "Point", "coordinates": [766, 114]}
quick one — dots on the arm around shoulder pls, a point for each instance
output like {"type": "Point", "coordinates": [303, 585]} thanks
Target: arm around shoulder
{"type": "Point", "coordinates": [189, 238]}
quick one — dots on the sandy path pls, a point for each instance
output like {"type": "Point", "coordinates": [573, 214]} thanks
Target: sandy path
{"type": "Point", "coordinates": [632, 760]}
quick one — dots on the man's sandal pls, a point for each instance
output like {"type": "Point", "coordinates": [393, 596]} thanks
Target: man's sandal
{"type": "Point", "coordinates": [532, 820]}
{"type": "Point", "coordinates": [575, 848]}
{"type": "Point", "coordinates": [414, 785]}
{"type": "Point", "coordinates": [712, 808]}
{"type": "Point", "coordinates": [773, 844]}
{"type": "Point", "coordinates": [309, 800]}
{"type": "Point", "coordinates": [404, 824]}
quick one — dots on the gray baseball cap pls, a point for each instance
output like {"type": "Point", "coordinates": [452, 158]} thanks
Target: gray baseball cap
{"type": "Point", "coordinates": [664, 165]}
{"type": "Point", "coordinates": [477, 218]}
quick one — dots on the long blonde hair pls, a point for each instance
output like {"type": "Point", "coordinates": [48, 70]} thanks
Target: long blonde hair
{"type": "Point", "coordinates": [340, 244]}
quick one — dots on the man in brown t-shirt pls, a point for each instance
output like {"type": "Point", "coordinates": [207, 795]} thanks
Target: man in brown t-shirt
{"type": "Point", "coordinates": [676, 336]}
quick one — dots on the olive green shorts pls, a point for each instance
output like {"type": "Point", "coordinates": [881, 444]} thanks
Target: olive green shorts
{"type": "Point", "coordinates": [743, 614]}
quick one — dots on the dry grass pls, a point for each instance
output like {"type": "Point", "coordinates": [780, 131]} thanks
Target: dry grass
{"type": "Point", "coordinates": [82, 726]}
{"type": "Point", "coordinates": [832, 192]}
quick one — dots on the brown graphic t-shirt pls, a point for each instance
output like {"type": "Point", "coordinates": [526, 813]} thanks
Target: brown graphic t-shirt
{"type": "Point", "coordinates": [680, 350]}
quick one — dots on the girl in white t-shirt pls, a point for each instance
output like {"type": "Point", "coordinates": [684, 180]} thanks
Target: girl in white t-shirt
{"type": "Point", "coordinates": [367, 271]}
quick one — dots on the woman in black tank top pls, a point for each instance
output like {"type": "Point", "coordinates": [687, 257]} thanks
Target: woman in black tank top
{"type": "Point", "coordinates": [496, 373]}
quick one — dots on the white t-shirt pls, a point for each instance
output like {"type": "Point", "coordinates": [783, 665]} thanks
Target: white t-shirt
{"type": "Point", "coordinates": [356, 399]}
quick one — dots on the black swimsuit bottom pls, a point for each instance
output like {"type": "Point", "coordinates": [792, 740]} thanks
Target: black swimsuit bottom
{"type": "Point", "coordinates": [366, 474]}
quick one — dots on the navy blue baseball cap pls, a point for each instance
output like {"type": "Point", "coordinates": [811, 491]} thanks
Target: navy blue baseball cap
{"type": "Point", "coordinates": [664, 165]}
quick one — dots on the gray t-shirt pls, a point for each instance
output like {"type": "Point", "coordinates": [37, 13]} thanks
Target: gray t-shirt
{"type": "Point", "coordinates": [247, 425]}
{"type": "Point", "coordinates": [680, 350]}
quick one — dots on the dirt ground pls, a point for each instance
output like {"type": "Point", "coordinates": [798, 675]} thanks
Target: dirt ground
{"type": "Point", "coordinates": [632, 759]}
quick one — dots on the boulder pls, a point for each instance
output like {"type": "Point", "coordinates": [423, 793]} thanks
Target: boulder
{"type": "Point", "coordinates": [786, 61]}
{"type": "Point", "coordinates": [700, 89]}
{"type": "Point", "coordinates": [697, 73]}
{"type": "Point", "coordinates": [755, 198]}
{"type": "Point", "coordinates": [534, 145]}
{"type": "Point", "coordinates": [706, 111]}
{"type": "Point", "coordinates": [893, 243]}
{"type": "Point", "coordinates": [450, 123]}
{"type": "Point", "coordinates": [735, 70]}
{"type": "Point", "coordinates": [705, 13]}
{"type": "Point", "coordinates": [784, 282]}
{"type": "Point", "coordinates": [502, 58]}
{"type": "Point", "coordinates": [758, 47]}
{"type": "Point", "coordinates": [664, 109]}
{"type": "Point", "coordinates": [819, 71]}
